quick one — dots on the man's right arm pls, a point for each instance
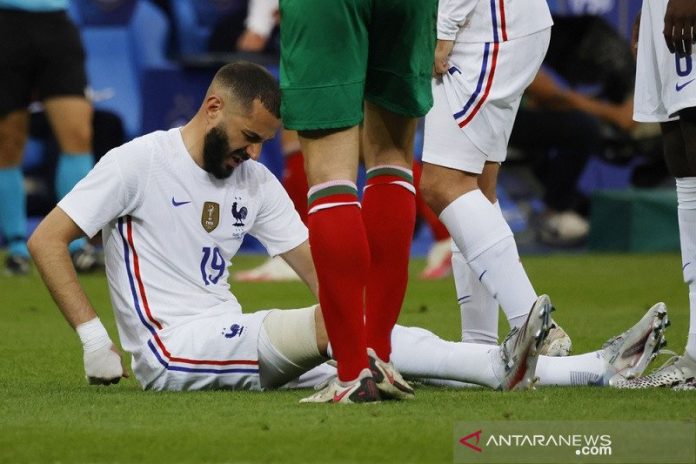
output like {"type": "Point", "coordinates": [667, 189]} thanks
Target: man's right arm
{"type": "Point", "coordinates": [49, 249]}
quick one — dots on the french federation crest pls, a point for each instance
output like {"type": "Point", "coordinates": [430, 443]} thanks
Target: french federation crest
{"type": "Point", "coordinates": [239, 214]}
{"type": "Point", "coordinates": [211, 216]}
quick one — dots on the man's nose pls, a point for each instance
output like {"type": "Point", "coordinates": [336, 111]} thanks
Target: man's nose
{"type": "Point", "coordinates": [254, 151]}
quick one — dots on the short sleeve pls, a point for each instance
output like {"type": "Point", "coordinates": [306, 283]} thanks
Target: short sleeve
{"type": "Point", "coordinates": [278, 226]}
{"type": "Point", "coordinates": [113, 188]}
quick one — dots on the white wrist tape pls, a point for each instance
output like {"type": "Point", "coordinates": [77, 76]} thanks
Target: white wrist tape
{"type": "Point", "coordinates": [93, 335]}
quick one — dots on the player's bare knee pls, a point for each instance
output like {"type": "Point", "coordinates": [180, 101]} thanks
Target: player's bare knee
{"type": "Point", "coordinates": [11, 149]}
{"type": "Point", "coordinates": [488, 181]}
{"type": "Point", "coordinates": [76, 139]}
{"type": "Point", "coordinates": [429, 188]}
{"type": "Point", "coordinates": [13, 137]}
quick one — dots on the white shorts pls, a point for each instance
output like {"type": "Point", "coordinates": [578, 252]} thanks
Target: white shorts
{"type": "Point", "coordinates": [665, 82]}
{"type": "Point", "coordinates": [216, 351]}
{"type": "Point", "coordinates": [230, 350]}
{"type": "Point", "coordinates": [475, 103]}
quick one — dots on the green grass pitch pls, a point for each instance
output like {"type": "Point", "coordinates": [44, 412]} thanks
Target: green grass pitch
{"type": "Point", "coordinates": [49, 414]}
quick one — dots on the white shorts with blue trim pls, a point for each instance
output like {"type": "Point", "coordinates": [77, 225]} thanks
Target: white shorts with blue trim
{"type": "Point", "coordinates": [476, 101]}
{"type": "Point", "coordinates": [665, 82]}
{"type": "Point", "coordinates": [215, 351]}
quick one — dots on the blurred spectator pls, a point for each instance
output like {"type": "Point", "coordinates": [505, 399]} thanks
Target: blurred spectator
{"type": "Point", "coordinates": [579, 105]}
{"type": "Point", "coordinates": [252, 29]}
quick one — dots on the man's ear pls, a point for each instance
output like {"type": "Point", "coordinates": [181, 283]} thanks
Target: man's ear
{"type": "Point", "coordinates": [213, 107]}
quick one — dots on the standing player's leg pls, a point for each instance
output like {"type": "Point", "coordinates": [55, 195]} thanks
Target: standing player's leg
{"type": "Point", "coordinates": [686, 196]}
{"type": "Point", "coordinates": [389, 213]}
{"type": "Point", "coordinates": [679, 142]}
{"type": "Point", "coordinates": [324, 103]}
{"type": "Point", "coordinates": [459, 147]}
{"type": "Point", "coordinates": [397, 92]}
{"type": "Point", "coordinates": [662, 94]}
{"type": "Point", "coordinates": [61, 83]}
{"type": "Point", "coordinates": [439, 259]}
{"type": "Point", "coordinates": [71, 120]}
{"type": "Point", "coordinates": [14, 128]}
{"type": "Point", "coordinates": [339, 242]}
{"type": "Point", "coordinates": [477, 306]}
{"type": "Point", "coordinates": [17, 56]}
{"type": "Point", "coordinates": [483, 237]}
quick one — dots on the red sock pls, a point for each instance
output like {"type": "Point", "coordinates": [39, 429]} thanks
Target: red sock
{"type": "Point", "coordinates": [389, 212]}
{"type": "Point", "coordinates": [341, 257]}
{"type": "Point", "coordinates": [437, 228]}
{"type": "Point", "coordinates": [295, 182]}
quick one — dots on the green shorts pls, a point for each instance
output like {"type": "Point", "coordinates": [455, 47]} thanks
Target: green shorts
{"type": "Point", "coordinates": [337, 53]}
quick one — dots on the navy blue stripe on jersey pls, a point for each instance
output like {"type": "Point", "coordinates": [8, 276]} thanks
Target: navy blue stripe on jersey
{"type": "Point", "coordinates": [131, 281]}
{"type": "Point", "coordinates": [494, 18]}
{"type": "Point", "coordinates": [479, 85]}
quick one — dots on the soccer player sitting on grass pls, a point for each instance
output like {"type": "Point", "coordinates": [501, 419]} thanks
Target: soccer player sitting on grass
{"type": "Point", "coordinates": [174, 206]}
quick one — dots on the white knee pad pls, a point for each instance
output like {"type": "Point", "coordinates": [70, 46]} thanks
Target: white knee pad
{"type": "Point", "coordinates": [287, 346]}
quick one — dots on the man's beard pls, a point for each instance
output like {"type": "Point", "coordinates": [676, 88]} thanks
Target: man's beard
{"type": "Point", "coordinates": [216, 154]}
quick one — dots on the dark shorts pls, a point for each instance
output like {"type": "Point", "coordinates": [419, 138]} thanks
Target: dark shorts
{"type": "Point", "coordinates": [41, 56]}
{"type": "Point", "coordinates": [337, 53]}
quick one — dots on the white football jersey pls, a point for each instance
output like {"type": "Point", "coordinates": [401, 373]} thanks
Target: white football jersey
{"type": "Point", "coordinates": [482, 21]}
{"type": "Point", "coordinates": [170, 230]}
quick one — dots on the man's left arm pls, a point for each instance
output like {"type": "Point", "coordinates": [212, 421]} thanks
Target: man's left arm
{"type": "Point", "coordinates": [300, 259]}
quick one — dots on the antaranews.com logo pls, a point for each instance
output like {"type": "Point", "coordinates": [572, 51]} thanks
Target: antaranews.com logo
{"type": "Point", "coordinates": [580, 444]}
{"type": "Point", "coordinates": [569, 441]}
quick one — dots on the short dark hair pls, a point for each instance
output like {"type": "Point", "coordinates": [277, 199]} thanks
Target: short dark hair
{"type": "Point", "coordinates": [247, 82]}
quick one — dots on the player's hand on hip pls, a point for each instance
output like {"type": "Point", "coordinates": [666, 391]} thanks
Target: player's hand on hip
{"type": "Point", "coordinates": [680, 21]}
{"type": "Point", "coordinates": [104, 366]}
{"type": "Point", "coordinates": [443, 49]}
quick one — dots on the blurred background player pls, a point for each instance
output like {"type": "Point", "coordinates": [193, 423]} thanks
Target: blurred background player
{"type": "Point", "coordinates": [579, 105]}
{"type": "Point", "coordinates": [343, 63]}
{"type": "Point", "coordinates": [666, 93]}
{"type": "Point", "coordinates": [41, 58]}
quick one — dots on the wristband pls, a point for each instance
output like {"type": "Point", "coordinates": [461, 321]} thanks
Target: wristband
{"type": "Point", "coordinates": [93, 335]}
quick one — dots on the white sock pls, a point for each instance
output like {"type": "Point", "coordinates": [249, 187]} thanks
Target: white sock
{"type": "Point", "coordinates": [478, 308]}
{"type": "Point", "coordinates": [686, 195]}
{"type": "Point", "coordinates": [583, 369]}
{"type": "Point", "coordinates": [486, 241]}
{"type": "Point", "coordinates": [418, 353]}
